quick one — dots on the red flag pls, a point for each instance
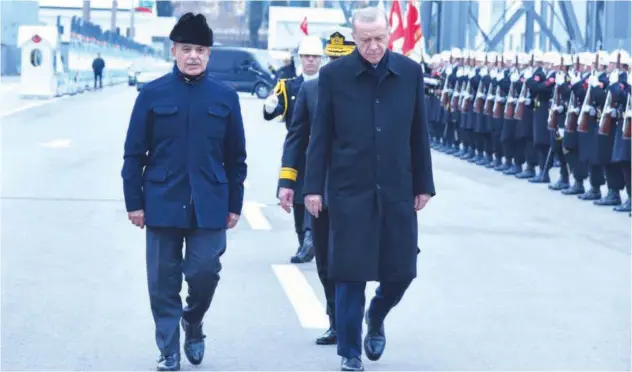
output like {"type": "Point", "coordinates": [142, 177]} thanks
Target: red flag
{"type": "Point", "coordinates": [304, 26]}
{"type": "Point", "coordinates": [412, 34]}
{"type": "Point", "coordinates": [396, 23]}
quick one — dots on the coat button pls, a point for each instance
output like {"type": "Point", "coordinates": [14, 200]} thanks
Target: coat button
{"type": "Point", "coordinates": [379, 187]}
{"type": "Point", "coordinates": [379, 158]}
{"type": "Point", "coordinates": [377, 100]}
{"type": "Point", "coordinates": [379, 129]}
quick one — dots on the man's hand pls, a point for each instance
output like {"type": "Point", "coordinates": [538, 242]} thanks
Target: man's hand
{"type": "Point", "coordinates": [232, 220]}
{"type": "Point", "coordinates": [314, 204]}
{"type": "Point", "coordinates": [137, 218]}
{"type": "Point", "coordinates": [286, 196]}
{"type": "Point", "coordinates": [420, 201]}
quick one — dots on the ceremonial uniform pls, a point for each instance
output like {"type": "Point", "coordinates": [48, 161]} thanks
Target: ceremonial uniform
{"type": "Point", "coordinates": [621, 149]}
{"type": "Point", "coordinates": [579, 168]}
{"type": "Point", "coordinates": [541, 87]}
{"type": "Point", "coordinates": [286, 92]}
{"type": "Point", "coordinates": [524, 132]}
{"type": "Point", "coordinates": [184, 165]}
{"type": "Point", "coordinates": [294, 149]}
{"type": "Point", "coordinates": [503, 83]}
{"type": "Point", "coordinates": [563, 91]}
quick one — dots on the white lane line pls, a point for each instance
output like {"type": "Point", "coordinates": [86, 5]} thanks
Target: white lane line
{"type": "Point", "coordinates": [255, 217]}
{"type": "Point", "coordinates": [58, 143]}
{"type": "Point", "coordinates": [310, 311]}
{"type": "Point", "coordinates": [30, 106]}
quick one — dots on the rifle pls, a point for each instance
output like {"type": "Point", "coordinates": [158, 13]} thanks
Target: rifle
{"type": "Point", "coordinates": [584, 119]}
{"type": "Point", "coordinates": [480, 95]}
{"type": "Point", "coordinates": [510, 107]}
{"type": "Point", "coordinates": [525, 93]}
{"type": "Point", "coordinates": [606, 120]}
{"type": "Point", "coordinates": [570, 123]}
{"type": "Point", "coordinates": [627, 119]}
{"type": "Point", "coordinates": [499, 105]}
{"type": "Point", "coordinates": [489, 100]}
{"type": "Point", "coordinates": [552, 122]}
{"type": "Point", "coordinates": [454, 103]}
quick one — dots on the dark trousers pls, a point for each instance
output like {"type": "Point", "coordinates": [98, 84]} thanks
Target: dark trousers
{"type": "Point", "coordinates": [558, 152]}
{"type": "Point", "coordinates": [320, 231]}
{"type": "Point", "coordinates": [627, 176]}
{"type": "Point", "coordinates": [614, 177]}
{"type": "Point", "coordinates": [165, 266]}
{"type": "Point", "coordinates": [596, 176]}
{"type": "Point", "coordinates": [350, 302]}
{"type": "Point", "coordinates": [579, 168]}
{"type": "Point", "coordinates": [541, 152]}
{"type": "Point", "coordinates": [509, 149]}
{"type": "Point", "coordinates": [98, 76]}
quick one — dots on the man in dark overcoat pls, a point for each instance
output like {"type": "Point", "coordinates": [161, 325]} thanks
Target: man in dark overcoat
{"type": "Point", "coordinates": [370, 138]}
{"type": "Point", "coordinates": [183, 173]}
{"type": "Point", "coordinates": [294, 149]}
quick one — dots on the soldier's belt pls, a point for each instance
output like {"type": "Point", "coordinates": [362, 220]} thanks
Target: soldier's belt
{"type": "Point", "coordinates": [288, 174]}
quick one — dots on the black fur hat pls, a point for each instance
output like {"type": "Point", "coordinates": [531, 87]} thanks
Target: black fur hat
{"type": "Point", "coordinates": [192, 29]}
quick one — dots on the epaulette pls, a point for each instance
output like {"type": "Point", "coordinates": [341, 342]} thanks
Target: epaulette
{"type": "Point", "coordinates": [281, 90]}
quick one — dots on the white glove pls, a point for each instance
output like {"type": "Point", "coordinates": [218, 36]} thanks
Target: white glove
{"type": "Point", "coordinates": [271, 103]}
{"type": "Point", "coordinates": [559, 78]}
{"type": "Point", "coordinates": [492, 74]}
{"type": "Point", "coordinates": [528, 73]}
{"type": "Point", "coordinates": [459, 73]}
{"type": "Point", "coordinates": [527, 101]}
{"type": "Point", "coordinates": [593, 81]}
{"type": "Point", "coordinates": [472, 73]}
{"type": "Point", "coordinates": [613, 113]}
{"type": "Point", "coordinates": [515, 76]}
{"type": "Point", "coordinates": [559, 109]}
{"type": "Point", "coordinates": [592, 111]}
{"type": "Point", "coordinates": [614, 77]}
{"type": "Point", "coordinates": [449, 70]}
{"type": "Point", "coordinates": [484, 71]}
{"type": "Point", "coordinates": [575, 78]}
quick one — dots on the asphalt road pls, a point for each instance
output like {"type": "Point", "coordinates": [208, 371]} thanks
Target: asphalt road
{"type": "Point", "coordinates": [512, 275]}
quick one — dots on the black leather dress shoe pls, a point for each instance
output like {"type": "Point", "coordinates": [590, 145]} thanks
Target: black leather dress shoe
{"type": "Point", "coordinates": [328, 338]}
{"type": "Point", "coordinates": [169, 362]}
{"type": "Point", "coordinates": [351, 364]}
{"type": "Point", "coordinates": [375, 339]}
{"type": "Point", "coordinates": [193, 342]}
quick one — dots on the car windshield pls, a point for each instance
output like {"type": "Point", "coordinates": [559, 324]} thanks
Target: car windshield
{"type": "Point", "coordinates": [266, 60]}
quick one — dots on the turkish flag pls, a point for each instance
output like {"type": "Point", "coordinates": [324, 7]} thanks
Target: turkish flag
{"type": "Point", "coordinates": [304, 26]}
{"type": "Point", "coordinates": [412, 34]}
{"type": "Point", "coordinates": [396, 24]}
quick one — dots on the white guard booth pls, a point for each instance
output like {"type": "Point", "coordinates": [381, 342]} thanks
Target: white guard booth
{"type": "Point", "coordinates": [39, 46]}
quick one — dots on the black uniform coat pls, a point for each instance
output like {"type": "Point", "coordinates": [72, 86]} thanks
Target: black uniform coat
{"type": "Point", "coordinates": [571, 139]}
{"type": "Point", "coordinates": [482, 122]}
{"type": "Point", "coordinates": [541, 90]}
{"type": "Point", "coordinates": [524, 130]}
{"type": "Point", "coordinates": [370, 131]}
{"type": "Point", "coordinates": [286, 91]}
{"type": "Point", "coordinates": [295, 145]}
{"type": "Point", "coordinates": [621, 150]}
{"type": "Point", "coordinates": [504, 84]}
{"type": "Point", "coordinates": [588, 141]}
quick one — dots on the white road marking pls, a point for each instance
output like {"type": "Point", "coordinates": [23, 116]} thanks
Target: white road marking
{"type": "Point", "coordinates": [310, 311]}
{"type": "Point", "coordinates": [255, 217]}
{"type": "Point", "coordinates": [30, 106]}
{"type": "Point", "coordinates": [58, 143]}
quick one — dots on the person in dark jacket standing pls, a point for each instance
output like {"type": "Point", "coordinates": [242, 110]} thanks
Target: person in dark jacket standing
{"type": "Point", "coordinates": [370, 138]}
{"type": "Point", "coordinates": [98, 65]}
{"type": "Point", "coordinates": [183, 173]}
{"type": "Point", "coordinates": [294, 150]}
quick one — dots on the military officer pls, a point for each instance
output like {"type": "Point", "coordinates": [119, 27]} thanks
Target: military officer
{"type": "Point", "coordinates": [294, 150]}
{"type": "Point", "coordinates": [281, 105]}
{"type": "Point", "coordinates": [183, 173]}
{"type": "Point", "coordinates": [370, 149]}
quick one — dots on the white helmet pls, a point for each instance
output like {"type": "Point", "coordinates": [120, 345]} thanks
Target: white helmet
{"type": "Point", "coordinates": [311, 46]}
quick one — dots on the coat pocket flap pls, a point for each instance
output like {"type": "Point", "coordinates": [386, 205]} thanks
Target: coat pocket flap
{"type": "Point", "coordinates": [155, 174]}
{"type": "Point", "coordinates": [165, 110]}
{"type": "Point", "coordinates": [220, 111]}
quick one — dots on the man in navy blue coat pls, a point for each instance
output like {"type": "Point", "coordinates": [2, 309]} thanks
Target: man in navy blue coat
{"type": "Point", "coordinates": [183, 173]}
{"type": "Point", "coordinates": [370, 139]}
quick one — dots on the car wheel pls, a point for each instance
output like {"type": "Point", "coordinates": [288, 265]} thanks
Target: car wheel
{"type": "Point", "coordinates": [262, 91]}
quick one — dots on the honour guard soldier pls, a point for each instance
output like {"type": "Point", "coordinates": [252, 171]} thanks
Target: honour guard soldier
{"type": "Point", "coordinates": [497, 122]}
{"type": "Point", "coordinates": [281, 105]}
{"type": "Point", "coordinates": [621, 150]}
{"type": "Point", "coordinates": [510, 124]}
{"type": "Point", "coordinates": [294, 150]}
{"type": "Point", "coordinates": [370, 149]}
{"type": "Point", "coordinates": [525, 125]}
{"type": "Point", "coordinates": [606, 134]}
{"type": "Point", "coordinates": [183, 173]}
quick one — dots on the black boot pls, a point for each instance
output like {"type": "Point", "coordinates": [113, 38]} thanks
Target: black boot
{"type": "Point", "coordinates": [576, 189]}
{"type": "Point", "coordinates": [513, 170]}
{"type": "Point", "coordinates": [527, 173]}
{"type": "Point", "coordinates": [593, 194]}
{"type": "Point", "coordinates": [613, 198]}
{"type": "Point", "coordinates": [625, 207]}
{"type": "Point", "coordinates": [543, 177]}
{"type": "Point", "coordinates": [329, 337]}
{"type": "Point", "coordinates": [561, 184]}
{"type": "Point", "coordinates": [193, 342]}
{"type": "Point", "coordinates": [306, 251]}
{"type": "Point", "coordinates": [169, 362]}
{"type": "Point", "coordinates": [351, 364]}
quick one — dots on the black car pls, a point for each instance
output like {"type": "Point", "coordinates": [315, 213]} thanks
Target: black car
{"type": "Point", "coordinates": [246, 69]}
